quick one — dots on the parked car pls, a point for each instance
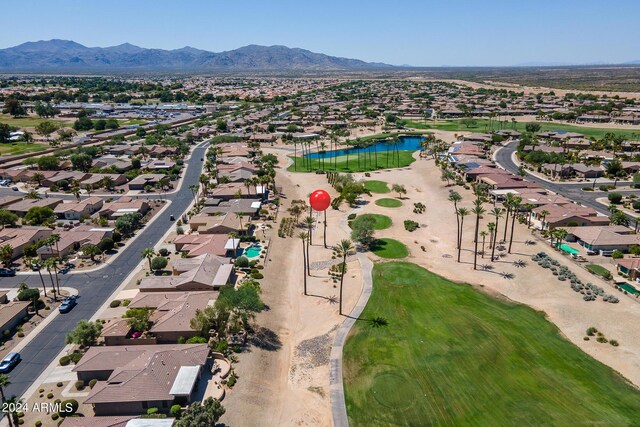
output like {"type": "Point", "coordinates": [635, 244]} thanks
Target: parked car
{"type": "Point", "coordinates": [7, 272]}
{"type": "Point", "coordinates": [172, 218]}
{"type": "Point", "coordinates": [14, 188]}
{"type": "Point", "coordinates": [68, 304]}
{"type": "Point", "coordinates": [9, 362]}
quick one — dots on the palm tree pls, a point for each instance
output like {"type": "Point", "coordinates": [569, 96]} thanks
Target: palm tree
{"type": "Point", "coordinates": [54, 238]}
{"type": "Point", "coordinates": [39, 265]}
{"type": "Point", "coordinates": [309, 221]}
{"type": "Point", "coordinates": [239, 216]}
{"type": "Point", "coordinates": [461, 213]}
{"type": "Point", "coordinates": [37, 178]}
{"type": "Point", "coordinates": [76, 192]}
{"type": "Point", "coordinates": [343, 249]}
{"type": "Point", "coordinates": [304, 237]}
{"type": "Point", "coordinates": [194, 191]}
{"type": "Point", "coordinates": [51, 265]}
{"type": "Point", "coordinates": [544, 214]}
{"type": "Point", "coordinates": [515, 205]}
{"type": "Point", "coordinates": [91, 250]}
{"type": "Point", "coordinates": [508, 205]}
{"type": "Point", "coordinates": [478, 210]}
{"type": "Point", "coordinates": [484, 235]}
{"type": "Point", "coordinates": [497, 213]}
{"type": "Point", "coordinates": [13, 403]}
{"type": "Point", "coordinates": [455, 197]}
{"type": "Point", "coordinates": [148, 253]}
{"type": "Point", "coordinates": [4, 382]}
{"type": "Point", "coordinates": [490, 228]}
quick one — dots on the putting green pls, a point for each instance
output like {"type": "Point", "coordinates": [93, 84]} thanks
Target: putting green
{"type": "Point", "coordinates": [389, 203]}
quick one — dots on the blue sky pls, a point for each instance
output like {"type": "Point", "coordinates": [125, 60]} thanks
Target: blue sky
{"type": "Point", "coordinates": [427, 33]}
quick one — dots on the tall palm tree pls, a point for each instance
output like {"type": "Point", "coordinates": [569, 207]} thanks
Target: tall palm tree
{"type": "Point", "coordinates": [309, 221]}
{"type": "Point", "coordinates": [239, 216]}
{"type": "Point", "coordinates": [343, 249]}
{"type": "Point", "coordinates": [39, 265]}
{"type": "Point", "coordinates": [515, 206]}
{"type": "Point", "coordinates": [478, 210]}
{"type": "Point", "coordinates": [497, 213]}
{"type": "Point", "coordinates": [544, 214]}
{"type": "Point", "coordinates": [148, 253]}
{"type": "Point", "coordinates": [491, 228]}
{"type": "Point", "coordinates": [76, 192]}
{"type": "Point", "coordinates": [484, 235]}
{"type": "Point", "coordinates": [461, 213]}
{"type": "Point", "coordinates": [303, 237]}
{"type": "Point", "coordinates": [4, 382]}
{"type": "Point", "coordinates": [14, 403]}
{"type": "Point", "coordinates": [49, 265]}
{"type": "Point", "coordinates": [455, 197]}
{"type": "Point", "coordinates": [508, 205]}
{"type": "Point", "coordinates": [54, 238]}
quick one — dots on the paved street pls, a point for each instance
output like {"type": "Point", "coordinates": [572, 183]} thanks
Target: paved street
{"type": "Point", "coordinates": [96, 287]}
{"type": "Point", "coordinates": [571, 191]}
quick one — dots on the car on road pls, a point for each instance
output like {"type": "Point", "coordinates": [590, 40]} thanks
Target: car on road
{"type": "Point", "coordinates": [68, 304]}
{"type": "Point", "coordinates": [14, 188]}
{"type": "Point", "coordinates": [9, 362]}
{"type": "Point", "coordinates": [7, 272]}
{"type": "Point", "coordinates": [172, 218]}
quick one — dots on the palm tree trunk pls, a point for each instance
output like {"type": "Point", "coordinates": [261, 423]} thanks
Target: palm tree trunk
{"type": "Point", "coordinates": [304, 266]}
{"type": "Point", "coordinates": [295, 151]}
{"type": "Point", "coordinates": [513, 222]}
{"type": "Point", "coordinates": [55, 294]}
{"type": "Point", "coordinates": [308, 267]}
{"type": "Point", "coordinates": [506, 223]}
{"type": "Point", "coordinates": [460, 238]}
{"type": "Point", "coordinates": [44, 288]}
{"type": "Point", "coordinates": [475, 251]}
{"type": "Point", "coordinates": [495, 240]}
{"type": "Point", "coordinates": [324, 234]}
{"type": "Point", "coordinates": [483, 238]}
{"type": "Point", "coordinates": [344, 265]}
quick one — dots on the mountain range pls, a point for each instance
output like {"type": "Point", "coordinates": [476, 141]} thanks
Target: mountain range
{"type": "Point", "coordinates": [69, 56]}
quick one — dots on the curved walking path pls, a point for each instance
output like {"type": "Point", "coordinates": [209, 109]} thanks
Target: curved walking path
{"type": "Point", "coordinates": [336, 386]}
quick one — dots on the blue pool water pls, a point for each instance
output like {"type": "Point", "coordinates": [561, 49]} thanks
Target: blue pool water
{"type": "Point", "coordinates": [253, 251]}
{"type": "Point", "coordinates": [406, 143]}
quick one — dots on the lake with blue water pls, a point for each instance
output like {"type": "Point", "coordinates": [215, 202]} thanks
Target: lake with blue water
{"type": "Point", "coordinates": [406, 143]}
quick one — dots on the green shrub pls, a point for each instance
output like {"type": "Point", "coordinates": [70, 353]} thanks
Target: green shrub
{"type": "Point", "coordinates": [591, 331]}
{"type": "Point", "coordinates": [242, 262]}
{"type": "Point", "coordinates": [617, 255]}
{"type": "Point", "coordinates": [197, 340]}
{"type": "Point", "coordinates": [64, 360]}
{"type": "Point", "coordinates": [410, 225]}
{"type": "Point", "coordinates": [614, 343]}
{"type": "Point", "coordinates": [221, 346]}
{"type": "Point", "coordinates": [351, 217]}
{"type": "Point", "coordinates": [115, 303]}
{"type": "Point", "coordinates": [175, 411]}
{"type": "Point", "coordinates": [92, 383]}
{"type": "Point", "coordinates": [152, 411]}
{"type": "Point", "coordinates": [58, 384]}
{"type": "Point", "coordinates": [164, 252]}
{"type": "Point", "coordinates": [126, 302]}
{"type": "Point", "coordinates": [49, 395]}
{"type": "Point", "coordinates": [55, 416]}
{"type": "Point", "coordinates": [79, 385]}
{"type": "Point", "coordinates": [257, 275]}
{"type": "Point", "coordinates": [38, 423]}
{"type": "Point", "coordinates": [232, 381]}
{"type": "Point", "coordinates": [68, 407]}
{"type": "Point", "coordinates": [28, 294]}
{"type": "Point", "coordinates": [75, 357]}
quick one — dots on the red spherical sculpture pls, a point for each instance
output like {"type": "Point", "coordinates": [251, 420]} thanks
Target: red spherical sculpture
{"type": "Point", "coordinates": [320, 200]}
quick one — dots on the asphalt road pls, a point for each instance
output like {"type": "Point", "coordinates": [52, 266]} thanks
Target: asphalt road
{"type": "Point", "coordinates": [571, 191]}
{"type": "Point", "coordinates": [95, 287]}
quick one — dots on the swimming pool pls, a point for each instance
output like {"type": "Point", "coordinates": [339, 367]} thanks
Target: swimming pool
{"type": "Point", "coordinates": [253, 251]}
{"type": "Point", "coordinates": [627, 287]}
{"type": "Point", "coordinates": [568, 249]}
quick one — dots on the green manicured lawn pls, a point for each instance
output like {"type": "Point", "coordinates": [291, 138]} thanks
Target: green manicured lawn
{"type": "Point", "coordinates": [389, 248]}
{"type": "Point", "coordinates": [599, 270]}
{"type": "Point", "coordinates": [389, 203]}
{"type": "Point", "coordinates": [452, 355]}
{"type": "Point", "coordinates": [27, 122]}
{"type": "Point", "coordinates": [15, 148]}
{"type": "Point", "coordinates": [132, 122]}
{"type": "Point", "coordinates": [381, 221]}
{"type": "Point", "coordinates": [482, 126]}
{"type": "Point", "coordinates": [401, 160]}
{"type": "Point", "coordinates": [377, 186]}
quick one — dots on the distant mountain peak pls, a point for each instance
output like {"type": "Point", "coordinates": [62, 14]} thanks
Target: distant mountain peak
{"type": "Point", "coordinates": [69, 56]}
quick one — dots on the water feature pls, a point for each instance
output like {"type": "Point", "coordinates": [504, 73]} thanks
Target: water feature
{"type": "Point", "coordinates": [405, 143]}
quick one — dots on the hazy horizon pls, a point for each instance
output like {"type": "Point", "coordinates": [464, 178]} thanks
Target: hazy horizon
{"type": "Point", "coordinates": [421, 34]}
